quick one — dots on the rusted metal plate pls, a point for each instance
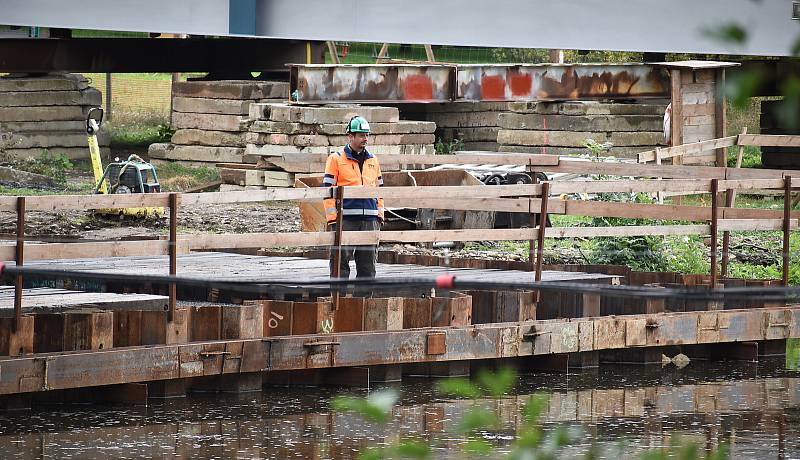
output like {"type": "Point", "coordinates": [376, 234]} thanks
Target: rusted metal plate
{"type": "Point", "coordinates": [436, 343]}
{"type": "Point", "coordinates": [778, 324]}
{"type": "Point", "coordinates": [317, 83]}
{"type": "Point", "coordinates": [564, 339]}
{"type": "Point", "coordinates": [163, 362]}
{"type": "Point", "coordinates": [541, 82]}
{"type": "Point", "coordinates": [636, 332]}
{"type": "Point", "coordinates": [609, 333]}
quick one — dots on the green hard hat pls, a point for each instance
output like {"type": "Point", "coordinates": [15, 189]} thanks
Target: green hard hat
{"type": "Point", "coordinates": [358, 124]}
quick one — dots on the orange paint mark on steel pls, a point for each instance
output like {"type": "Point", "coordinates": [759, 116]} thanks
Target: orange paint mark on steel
{"type": "Point", "coordinates": [417, 87]}
{"type": "Point", "coordinates": [520, 84]}
{"type": "Point", "coordinates": [493, 87]}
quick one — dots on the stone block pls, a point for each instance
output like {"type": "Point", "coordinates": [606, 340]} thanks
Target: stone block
{"type": "Point", "coordinates": [242, 177]}
{"type": "Point", "coordinates": [284, 127]}
{"type": "Point", "coordinates": [638, 138]}
{"type": "Point", "coordinates": [487, 134]}
{"type": "Point", "coordinates": [66, 82]}
{"type": "Point", "coordinates": [588, 108]}
{"type": "Point", "coordinates": [465, 120]}
{"type": "Point", "coordinates": [54, 113]}
{"type": "Point", "coordinates": [89, 96]}
{"type": "Point", "coordinates": [214, 122]}
{"type": "Point", "coordinates": [321, 115]}
{"type": "Point", "coordinates": [232, 89]}
{"type": "Point", "coordinates": [54, 139]}
{"type": "Point", "coordinates": [399, 127]}
{"type": "Point", "coordinates": [196, 153]}
{"type": "Point", "coordinates": [550, 138]}
{"type": "Point", "coordinates": [209, 138]}
{"type": "Point", "coordinates": [580, 123]}
{"type": "Point", "coordinates": [209, 105]}
{"type": "Point", "coordinates": [75, 126]}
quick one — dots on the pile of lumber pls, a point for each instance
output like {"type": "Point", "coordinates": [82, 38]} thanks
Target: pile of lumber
{"type": "Point", "coordinates": [473, 124]}
{"type": "Point", "coordinates": [280, 131]}
{"type": "Point", "coordinates": [563, 127]}
{"type": "Point", "coordinates": [47, 113]}
{"type": "Point", "coordinates": [211, 119]}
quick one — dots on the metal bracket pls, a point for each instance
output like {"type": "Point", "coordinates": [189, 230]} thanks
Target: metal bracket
{"type": "Point", "coordinates": [209, 354]}
{"type": "Point", "coordinates": [321, 343]}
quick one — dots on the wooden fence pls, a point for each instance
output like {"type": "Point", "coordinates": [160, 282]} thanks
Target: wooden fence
{"type": "Point", "coordinates": [721, 216]}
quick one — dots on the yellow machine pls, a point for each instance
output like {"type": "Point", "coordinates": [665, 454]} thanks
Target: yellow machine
{"type": "Point", "coordinates": [133, 175]}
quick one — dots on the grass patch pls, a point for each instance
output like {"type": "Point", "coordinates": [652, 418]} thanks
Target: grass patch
{"type": "Point", "coordinates": [174, 177]}
{"type": "Point", "coordinates": [138, 129]}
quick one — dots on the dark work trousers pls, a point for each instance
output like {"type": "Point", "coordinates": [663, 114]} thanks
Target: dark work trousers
{"type": "Point", "coordinates": [365, 255]}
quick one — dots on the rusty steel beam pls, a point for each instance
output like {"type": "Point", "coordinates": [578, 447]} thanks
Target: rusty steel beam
{"type": "Point", "coordinates": [42, 372]}
{"type": "Point", "coordinates": [543, 82]}
{"type": "Point", "coordinates": [316, 83]}
{"type": "Point", "coordinates": [395, 83]}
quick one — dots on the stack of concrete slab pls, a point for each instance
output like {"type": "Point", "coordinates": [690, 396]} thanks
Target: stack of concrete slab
{"type": "Point", "coordinates": [474, 124]}
{"type": "Point", "coordinates": [211, 119]}
{"type": "Point", "coordinates": [47, 113]}
{"type": "Point", "coordinates": [563, 127]}
{"type": "Point", "coordinates": [280, 131]}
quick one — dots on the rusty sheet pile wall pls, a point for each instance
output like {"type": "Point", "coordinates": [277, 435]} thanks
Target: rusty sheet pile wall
{"type": "Point", "coordinates": [47, 113]}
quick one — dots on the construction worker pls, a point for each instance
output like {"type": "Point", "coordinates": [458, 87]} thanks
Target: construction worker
{"type": "Point", "coordinates": [354, 165]}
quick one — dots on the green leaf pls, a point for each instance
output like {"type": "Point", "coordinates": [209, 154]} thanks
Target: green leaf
{"type": "Point", "coordinates": [530, 438]}
{"type": "Point", "coordinates": [478, 446]}
{"type": "Point", "coordinates": [741, 86]}
{"type": "Point", "coordinates": [459, 387]}
{"type": "Point", "coordinates": [497, 383]}
{"type": "Point", "coordinates": [476, 419]}
{"type": "Point", "coordinates": [730, 33]}
{"type": "Point", "coordinates": [796, 47]}
{"type": "Point", "coordinates": [561, 437]}
{"type": "Point", "coordinates": [413, 448]}
{"type": "Point", "coordinates": [372, 453]}
{"type": "Point", "coordinates": [535, 406]}
{"type": "Point", "coordinates": [720, 453]}
{"type": "Point", "coordinates": [375, 407]}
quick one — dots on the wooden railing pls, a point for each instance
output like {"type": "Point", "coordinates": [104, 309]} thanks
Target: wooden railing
{"type": "Point", "coordinates": [509, 198]}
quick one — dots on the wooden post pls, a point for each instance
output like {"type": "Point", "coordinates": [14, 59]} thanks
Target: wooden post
{"type": "Point", "coordinates": [429, 53]}
{"type": "Point", "coordinates": [720, 120]}
{"type": "Point", "coordinates": [676, 121]}
{"type": "Point", "coordinates": [332, 51]}
{"type": "Point", "coordinates": [382, 53]}
{"type": "Point", "coordinates": [532, 223]}
{"type": "Point", "coordinates": [730, 200]}
{"type": "Point", "coordinates": [108, 110]}
{"type": "Point", "coordinates": [19, 259]}
{"type": "Point", "coordinates": [337, 242]}
{"type": "Point", "coordinates": [714, 226]}
{"type": "Point", "coordinates": [173, 251]}
{"type": "Point", "coordinates": [540, 236]}
{"type": "Point", "coordinates": [787, 210]}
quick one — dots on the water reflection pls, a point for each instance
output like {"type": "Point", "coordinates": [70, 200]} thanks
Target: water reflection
{"type": "Point", "coordinates": [755, 409]}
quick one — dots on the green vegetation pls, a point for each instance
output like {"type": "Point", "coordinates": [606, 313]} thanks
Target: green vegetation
{"type": "Point", "coordinates": [481, 431]}
{"type": "Point", "coordinates": [138, 130]}
{"type": "Point", "coordinates": [175, 177]}
{"type": "Point", "coordinates": [54, 165]}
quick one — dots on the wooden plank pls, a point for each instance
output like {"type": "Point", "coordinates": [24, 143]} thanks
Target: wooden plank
{"type": "Point", "coordinates": [720, 116]}
{"type": "Point", "coordinates": [687, 149]}
{"type": "Point", "coordinates": [767, 140]}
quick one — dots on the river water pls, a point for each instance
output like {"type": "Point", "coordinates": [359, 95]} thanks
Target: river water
{"type": "Point", "coordinates": [622, 410]}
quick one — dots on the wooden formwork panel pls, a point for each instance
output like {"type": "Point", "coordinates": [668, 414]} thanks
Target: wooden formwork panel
{"type": "Point", "coordinates": [88, 330]}
{"type": "Point", "coordinates": [19, 342]}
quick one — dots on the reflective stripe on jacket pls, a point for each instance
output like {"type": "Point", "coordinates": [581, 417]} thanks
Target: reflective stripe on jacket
{"type": "Point", "coordinates": [342, 169]}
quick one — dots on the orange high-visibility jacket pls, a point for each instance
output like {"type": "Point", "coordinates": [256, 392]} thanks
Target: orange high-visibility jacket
{"type": "Point", "coordinates": [342, 169]}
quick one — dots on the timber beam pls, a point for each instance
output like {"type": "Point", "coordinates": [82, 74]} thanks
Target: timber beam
{"type": "Point", "coordinates": [53, 371]}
